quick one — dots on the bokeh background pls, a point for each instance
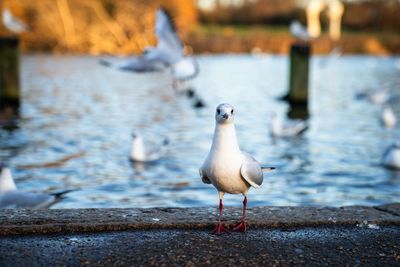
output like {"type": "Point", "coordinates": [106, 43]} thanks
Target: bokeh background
{"type": "Point", "coordinates": [207, 26]}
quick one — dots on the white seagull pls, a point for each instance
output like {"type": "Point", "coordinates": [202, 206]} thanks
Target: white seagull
{"type": "Point", "coordinates": [391, 157]}
{"type": "Point", "coordinates": [11, 197]}
{"type": "Point", "coordinates": [287, 128]}
{"type": "Point", "coordinates": [227, 168]}
{"type": "Point", "coordinates": [12, 23]}
{"type": "Point", "coordinates": [168, 54]}
{"type": "Point", "coordinates": [299, 31]}
{"type": "Point", "coordinates": [388, 119]}
{"type": "Point", "coordinates": [141, 152]}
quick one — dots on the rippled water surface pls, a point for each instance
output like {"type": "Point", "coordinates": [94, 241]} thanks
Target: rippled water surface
{"type": "Point", "coordinates": [76, 110]}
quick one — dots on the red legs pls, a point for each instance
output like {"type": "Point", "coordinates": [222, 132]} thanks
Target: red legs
{"type": "Point", "coordinates": [241, 227]}
{"type": "Point", "coordinates": [219, 228]}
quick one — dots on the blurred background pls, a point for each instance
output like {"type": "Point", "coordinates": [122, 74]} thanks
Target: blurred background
{"type": "Point", "coordinates": [76, 116]}
{"type": "Point", "coordinates": [208, 26]}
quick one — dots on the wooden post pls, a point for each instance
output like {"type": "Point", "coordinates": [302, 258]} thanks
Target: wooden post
{"type": "Point", "coordinates": [298, 75]}
{"type": "Point", "coordinates": [9, 77]}
{"type": "Point", "coordinates": [298, 80]}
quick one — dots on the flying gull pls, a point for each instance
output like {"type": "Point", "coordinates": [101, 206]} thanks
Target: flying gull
{"type": "Point", "coordinates": [167, 55]}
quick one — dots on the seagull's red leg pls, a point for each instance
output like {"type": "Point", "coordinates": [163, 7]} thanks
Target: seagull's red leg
{"type": "Point", "coordinates": [219, 228]}
{"type": "Point", "coordinates": [241, 227]}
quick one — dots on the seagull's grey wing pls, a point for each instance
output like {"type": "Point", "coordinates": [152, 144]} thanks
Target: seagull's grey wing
{"type": "Point", "coordinates": [18, 199]}
{"type": "Point", "coordinates": [251, 170]}
{"type": "Point", "coordinates": [142, 64]}
{"type": "Point", "coordinates": [168, 39]}
{"type": "Point", "coordinates": [387, 152]}
{"type": "Point", "coordinates": [155, 152]}
{"type": "Point", "coordinates": [294, 127]}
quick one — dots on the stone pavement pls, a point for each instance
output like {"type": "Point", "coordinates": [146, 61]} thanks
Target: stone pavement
{"type": "Point", "coordinates": [277, 236]}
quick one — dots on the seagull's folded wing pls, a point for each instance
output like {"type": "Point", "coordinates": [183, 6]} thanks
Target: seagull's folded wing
{"type": "Point", "coordinates": [251, 171]}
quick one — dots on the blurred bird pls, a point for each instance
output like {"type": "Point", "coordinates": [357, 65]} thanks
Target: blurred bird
{"type": "Point", "coordinates": [227, 168]}
{"type": "Point", "coordinates": [168, 54]}
{"type": "Point", "coordinates": [377, 97]}
{"type": "Point", "coordinates": [141, 152]}
{"type": "Point", "coordinates": [388, 119]}
{"type": "Point", "coordinates": [12, 23]}
{"type": "Point", "coordinates": [287, 128]}
{"type": "Point", "coordinates": [391, 156]}
{"type": "Point", "coordinates": [11, 197]}
{"type": "Point", "coordinates": [299, 31]}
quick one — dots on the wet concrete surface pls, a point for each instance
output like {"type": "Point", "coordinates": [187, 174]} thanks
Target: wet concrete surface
{"type": "Point", "coordinates": [316, 246]}
{"type": "Point", "coordinates": [101, 220]}
{"type": "Point", "coordinates": [277, 236]}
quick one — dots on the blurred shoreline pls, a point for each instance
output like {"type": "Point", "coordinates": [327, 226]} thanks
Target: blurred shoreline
{"type": "Point", "coordinates": [116, 27]}
{"type": "Point", "coordinates": [233, 39]}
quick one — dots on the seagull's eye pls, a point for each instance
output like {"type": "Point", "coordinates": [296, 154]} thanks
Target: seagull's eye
{"type": "Point", "coordinates": [232, 111]}
{"type": "Point", "coordinates": [218, 111]}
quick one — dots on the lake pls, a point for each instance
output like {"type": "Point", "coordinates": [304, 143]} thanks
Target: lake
{"type": "Point", "coordinates": [83, 113]}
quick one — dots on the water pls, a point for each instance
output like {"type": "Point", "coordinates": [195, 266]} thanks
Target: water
{"type": "Point", "coordinates": [74, 107]}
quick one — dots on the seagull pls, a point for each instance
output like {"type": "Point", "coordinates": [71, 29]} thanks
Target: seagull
{"type": "Point", "coordinates": [377, 97]}
{"type": "Point", "coordinates": [227, 168]}
{"type": "Point", "coordinates": [168, 54]}
{"type": "Point", "coordinates": [299, 31]}
{"type": "Point", "coordinates": [391, 157]}
{"type": "Point", "coordinates": [12, 23]}
{"type": "Point", "coordinates": [286, 128]}
{"type": "Point", "coordinates": [388, 119]}
{"type": "Point", "coordinates": [11, 197]}
{"type": "Point", "coordinates": [141, 152]}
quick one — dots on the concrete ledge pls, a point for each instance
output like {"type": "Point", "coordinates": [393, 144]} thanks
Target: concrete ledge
{"type": "Point", "coordinates": [23, 222]}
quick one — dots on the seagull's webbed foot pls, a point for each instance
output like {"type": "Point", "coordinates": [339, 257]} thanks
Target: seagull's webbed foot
{"type": "Point", "coordinates": [219, 229]}
{"type": "Point", "coordinates": [240, 227]}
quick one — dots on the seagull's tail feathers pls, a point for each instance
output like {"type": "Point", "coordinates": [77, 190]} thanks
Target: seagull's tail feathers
{"type": "Point", "coordinates": [267, 168]}
{"type": "Point", "coordinates": [60, 195]}
{"type": "Point", "coordinates": [303, 128]}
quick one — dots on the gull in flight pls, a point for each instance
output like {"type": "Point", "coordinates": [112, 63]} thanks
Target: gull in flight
{"type": "Point", "coordinates": [227, 168]}
{"type": "Point", "coordinates": [388, 119]}
{"type": "Point", "coordinates": [168, 54]}
{"type": "Point", "coordinates": [11, 197]}
{"type": "Point", "coordinates": [299, 31]}
{"type": "Point", "coordinates": [391, 157]}
{"type": "Point", "coordinates": [287, 128]}
{"type": "Point", "coordinates": [12, 23]}
{"type": "Point", "coordinates": [141, 152]}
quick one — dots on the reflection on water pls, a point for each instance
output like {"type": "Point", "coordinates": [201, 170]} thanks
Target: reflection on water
{"type": "Point", "coordinates": [77, 117]}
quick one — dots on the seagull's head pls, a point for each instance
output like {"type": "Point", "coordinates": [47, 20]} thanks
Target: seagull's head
{"type": "Point", "coordinates": [224, 113]}
{"type": "Point", "coordinates": [135, 135]}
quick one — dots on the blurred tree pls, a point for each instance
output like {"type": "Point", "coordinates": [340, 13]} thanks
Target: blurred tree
{"type": "Point", "coordinates": [96, 26]}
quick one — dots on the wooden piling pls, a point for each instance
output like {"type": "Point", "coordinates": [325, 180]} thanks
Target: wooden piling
{"type": "Point", "coordinates": [299, 70]}
{"type": "Point", "coordinates": [9, 77]}
{"type": "Point", "coordinates": [298, 78]}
